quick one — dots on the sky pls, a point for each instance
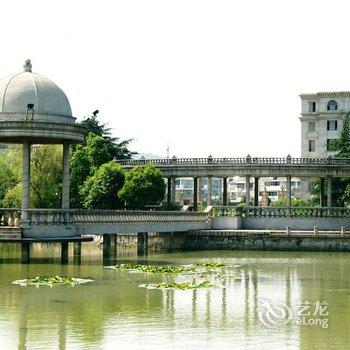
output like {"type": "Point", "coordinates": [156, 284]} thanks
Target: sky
{"type": "Point", "coordinates": [218, 78]}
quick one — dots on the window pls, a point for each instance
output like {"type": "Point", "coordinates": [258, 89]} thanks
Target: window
{"type": "Point", "coordinates": [312, 106]}
{"type": "Point", "coordinates": [312, 126]}
{"type": "Point", "coordinates": [332, 125]}
{"type": "Point", "coordinates": [311, 145]}
{"type": "Point", "coordinates": [332, 105]}
{"type": "Point", "coordinates": [331, 144]}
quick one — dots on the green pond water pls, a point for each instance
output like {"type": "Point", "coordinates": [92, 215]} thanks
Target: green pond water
{"type": "Point", "coordinates": [262, 308]}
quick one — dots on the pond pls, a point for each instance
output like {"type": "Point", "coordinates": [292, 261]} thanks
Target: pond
{"type": "Point", "coordinates": [260, 300]}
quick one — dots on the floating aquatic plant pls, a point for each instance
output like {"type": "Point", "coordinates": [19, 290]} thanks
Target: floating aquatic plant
{"type": "Point", "coordinates": [175, 285]}
{"type": "Point", "coordinates": [161, 269]}
{"type": "Point", "coordinates": [51, 281]}
{"type": "Point", "coordinates": [211, 264]}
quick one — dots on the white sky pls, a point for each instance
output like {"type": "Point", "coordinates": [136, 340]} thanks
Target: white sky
{"type": "Point", "coordinates": [204, 77]}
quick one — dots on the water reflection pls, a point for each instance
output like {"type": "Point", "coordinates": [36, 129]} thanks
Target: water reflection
{"type": "Point", "coordinates": [113, 310]}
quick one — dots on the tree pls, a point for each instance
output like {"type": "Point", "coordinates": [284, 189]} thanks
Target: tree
{"type": "Point", "coordinates": [340, 186]}
{"type": "Point", "coordinates": [45, 181]}
{"type": "Point", "coordinates": [100, 191]}
{"type": "Point", "coordinates": [99, 148]}
{"type": "Point", "coordinates": [143, 186]}
{"type": "Point", "coordinates": [342, 146]}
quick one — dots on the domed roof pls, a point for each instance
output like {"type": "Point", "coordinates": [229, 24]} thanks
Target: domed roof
{"type": "Point", "coordinates": [19, 90]}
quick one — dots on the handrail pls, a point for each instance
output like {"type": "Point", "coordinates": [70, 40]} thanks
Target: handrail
{"type": "Point", "coordinates": [330, 161]}
{"type": "Point", "coordinates": [255, 211]}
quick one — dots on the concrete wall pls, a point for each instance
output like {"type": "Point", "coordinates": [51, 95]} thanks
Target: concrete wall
{"type": "Point", "coordinates": [261, 223]}
{"type": "Point", "coordinates": [226, 223]}
{"type": "Point", "coordinates": [250, 241]}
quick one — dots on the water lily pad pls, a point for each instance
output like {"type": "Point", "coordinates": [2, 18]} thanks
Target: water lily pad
{"type": "Point", "coordinates": [176, 285]}
{"type": "Point", "coordinates": [51, 281]}
{"type": "Point", "coordinates": [160, 269]}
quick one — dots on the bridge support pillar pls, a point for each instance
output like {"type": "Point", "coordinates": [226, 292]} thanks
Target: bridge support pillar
{"type": "Point", "coordinates": [64, 252]}
{"type": "Point", "coordinates": [142, 242]}
{"type": "Point", "coordinates": [322, 197]}
{"type": "Point", "coordinates": [289, 191]}
{"type": "Point", "coordinates": [106, 245]}
{"type": "Point", "coordinates": [224, 192]}
{"type": "Point", "coordinates": [169, 241]}
{"type": "Point", "coordinates": [256, 191]}
{"type": "Point", "coordinates": [329, 191]}
{"type": "Point", "coordinates": [209, 190]}
{"type": "Point", "coordinates": [195, 193]}
{"type": "Point", "coordinates": [25, 252]}
{"type": "Point", "coordinates": [77, 248]}
{"type": "Point", "coordinates": [247, 189]}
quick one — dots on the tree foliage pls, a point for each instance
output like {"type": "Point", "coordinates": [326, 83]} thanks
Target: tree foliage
{"type": "Point", "coordinates": [100, 191]}
{"type": "Point", "coordinates": [340, 186]}
{"type": "Point", "coordinates": [143, 186]}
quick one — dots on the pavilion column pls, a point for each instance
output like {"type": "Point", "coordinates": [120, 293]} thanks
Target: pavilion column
{"type": "Point", "coordinates": [322, 192]}
{"type": "Point", "coordinates": [173, 190]}
{"type": "Point", "coordinates": [209, 190]}
{"type": "Point", "coordinates": [329, 191]}
{"type": "Point", "coordinates": [195, 193]}
{"type": "Point", "coordinates": [247, 189]}
{"type": "Point", "coordinates": [65, 182]}
{"type": "Point", "coordinates": [289, 191]}
{"type": "Point", "coordinates": [169, 191]}
{"type": "Point", "coordinates": [25, 181]}
{"type": "Point", "coordinates": [256, 191]}
{"type": "Point", "coordinates": [224, 192]}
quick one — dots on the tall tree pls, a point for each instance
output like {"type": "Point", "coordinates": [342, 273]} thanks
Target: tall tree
{"type": "Point", "coordinates": [143, 186]}
{"type": "Point", "coordinates": [100, 191]}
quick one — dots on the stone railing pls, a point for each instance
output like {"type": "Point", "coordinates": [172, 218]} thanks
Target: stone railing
{"type": "Point", "coordinates": [49, 217]}
{"type": "Point", "coordinates": [40, 217]}
{"type": "Point", "coordinates": [10, 217]}
{"type": "Point", "coordinates": [306, 212]}
{"type": "Point", "coordinates": [239, 161]}
{"type": "Point", "coordinates": [110, 217]}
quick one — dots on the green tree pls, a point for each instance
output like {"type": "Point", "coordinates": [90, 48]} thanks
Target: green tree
{"type": "Point", "coordinates": [342, 146]}
{"type": "Point", "coordinates": [143, 186]}
{"type": "Point", "coordinates": [100, 191]}
{"type": "Point", "coordinates": [99, 148]}
{"type": "Point", "coordinates": [45, 181]}
{"type": "Point", "coordinates": [340, 186]}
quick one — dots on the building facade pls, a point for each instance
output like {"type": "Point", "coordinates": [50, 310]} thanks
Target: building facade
{"type": "Point", "coordinates": [321, 121]}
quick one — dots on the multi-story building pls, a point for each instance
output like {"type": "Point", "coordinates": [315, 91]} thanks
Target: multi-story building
{"type": "Point", "coordinates": [321, 121]}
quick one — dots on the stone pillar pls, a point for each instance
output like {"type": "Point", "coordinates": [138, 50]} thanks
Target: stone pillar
{"type": "Point", "coordinates": [322, 203]}
{"type": "Point", "coordinates": [247, 189]}
{"type": "Point", "coordinates": [224, 192]}
{"type": "Point", "coordinates": [142, 242]}
{"type": "Point", "coordinates": [209, 190]}
{"type": "Point", "coordinates": [25, 252]}
{"type": "Point", "coordinates": [64, 252]}
{"type": "Point", "coordinates": [169, 240]}
{"type": "Point", "coordinates": [195, 193]}
{"type": "Point", "coordinates": [173, 190]}
{"type": "Point", "coordinates": [169, 191]}
{"type": "Point", "coordinates": [25, 182]}
{"type": "Point", "coordinates": [256, 191]}
{"type": "Point", "coordinates": [65, 182]}
{"type": "Point", "coordinates": [106, 245]}
{"type": "Point", "coordinates": [289, 191]}
{"type": "Point", "coordinates": [329, 191]}
{"type": "Point", "coordinates": [77, 248]}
